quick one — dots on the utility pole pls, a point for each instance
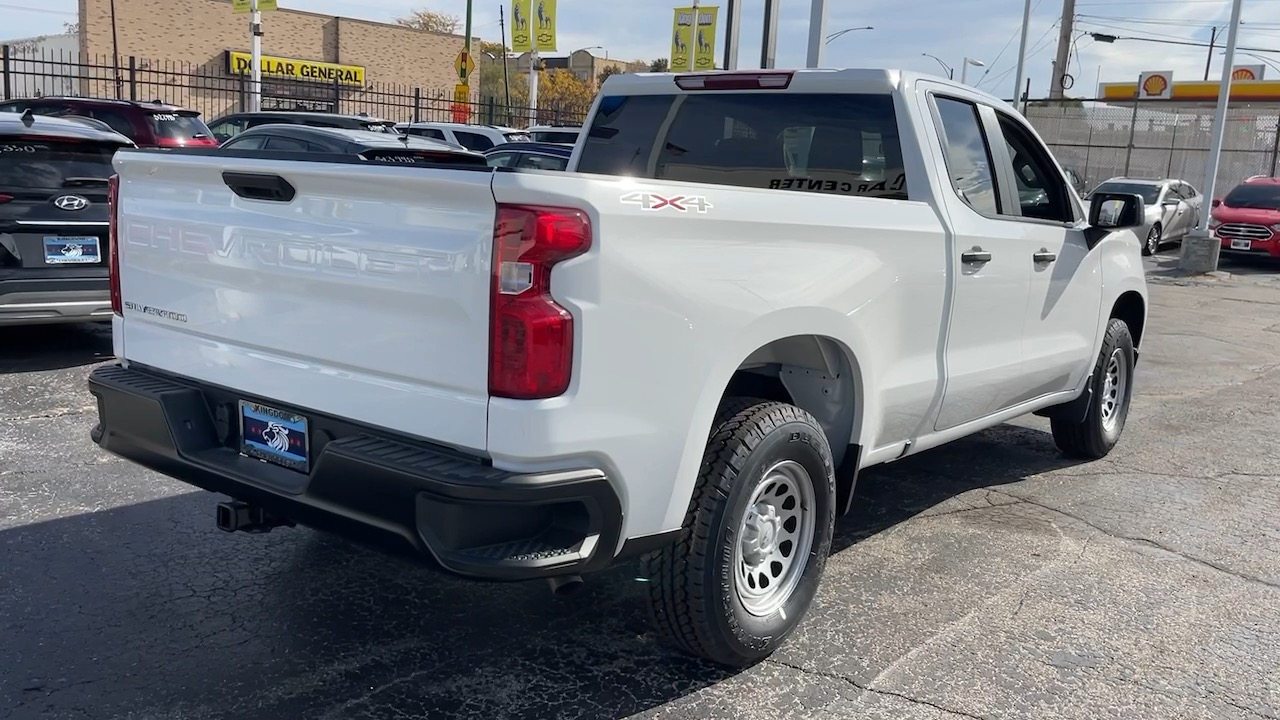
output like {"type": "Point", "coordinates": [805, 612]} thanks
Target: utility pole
{"type": "Point", "coordinates": [1208, 60]}
{"type": "Point", "coordinates": [817, 33]}
{"type": "Point", "coordinates": [769, 43]}
{"type": "Point", "coordinates": [733, 26]}
{"type": "Point", "coordinates": [1022, 53]}
{"type": "Point", "coordinates": [1063, 57]}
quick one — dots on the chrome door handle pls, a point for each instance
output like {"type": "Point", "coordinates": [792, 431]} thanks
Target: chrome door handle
{"type": "Point", "coordinates": [1044, 256]}
{"type": "Point", "coordinates": [976, 256]}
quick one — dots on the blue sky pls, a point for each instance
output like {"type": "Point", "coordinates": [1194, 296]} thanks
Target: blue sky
{"type": "Point", "coordinates": [981, 29]}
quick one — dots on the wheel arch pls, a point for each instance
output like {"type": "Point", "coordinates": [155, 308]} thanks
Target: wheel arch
{"type": "Point", "coordinates": [1131, 307]}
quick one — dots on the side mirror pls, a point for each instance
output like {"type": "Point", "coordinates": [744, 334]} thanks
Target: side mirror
{"type": "Point", "coordinates": [1113, 211]}
{"type": "Point", "coordinates": [1216, 202]}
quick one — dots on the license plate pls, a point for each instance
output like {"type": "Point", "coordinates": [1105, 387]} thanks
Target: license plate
{"type": "Point", "coordinates": [72, 251]}
{"type": "Point", "coordinates": [276, 436]}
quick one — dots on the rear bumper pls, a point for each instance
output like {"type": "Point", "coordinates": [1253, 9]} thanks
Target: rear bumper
{"type": "Point", "coordinates": [54, 300]}
{"type": "Point", "coordinates": [473, 519]}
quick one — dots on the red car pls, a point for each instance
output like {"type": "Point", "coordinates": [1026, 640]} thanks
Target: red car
{"type": "Point", "coordinates": [1247, 220]}
{"type": "Point", "coordinates": [147, 124]}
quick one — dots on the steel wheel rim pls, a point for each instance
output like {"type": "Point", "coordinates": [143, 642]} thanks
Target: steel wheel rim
{"type": "Point", "coordinates": [774, 539]}
{"type": "Point", "coordinates": [1115, 387]}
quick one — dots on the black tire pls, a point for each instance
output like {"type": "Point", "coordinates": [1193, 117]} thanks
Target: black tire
{"type": "Point", "coordinates": [1155, 237]}
{"type": "Point", "coordinates": [694, 594]}
{"type": "Point", "coordinates": [1093, 437]}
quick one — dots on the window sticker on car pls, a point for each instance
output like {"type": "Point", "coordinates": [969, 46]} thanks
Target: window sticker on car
{"type": "Point", "coordinates": [29, 148]}
{"type": "Point", "coordinates": [165, 117]}
{"type": "Point", "coordinates": [679, 203]}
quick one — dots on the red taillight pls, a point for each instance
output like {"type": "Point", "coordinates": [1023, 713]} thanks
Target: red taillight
{"type": "Point", "coordinates": [735, 81]}
{"type": "Point", "coordinates": [113, 243]}
{"type": "Point", "coordinates": [530, 336]}
{"type": "Point", "coordinates": [5, 197]}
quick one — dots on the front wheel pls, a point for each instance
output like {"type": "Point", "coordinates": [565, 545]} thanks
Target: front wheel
{"type": "Point", "coordinates": [755, 540]}
{"type": "Point", "coordinates": [1112, 383]}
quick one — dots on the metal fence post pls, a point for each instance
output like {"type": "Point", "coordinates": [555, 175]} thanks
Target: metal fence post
{"type": "Point", "coordinates": [1275, 146]}
{"type": "Point", "coordinates": [337, 96]}
{"type": "Point", "coordinates": [242, 101]}
{"type": "Point", "coordinates": [417, 104]}
{"type": "Point", "coordinates": [133, 78]}
{"type": "Point", "coordinates": [8, 88]}
{"type": "Point", "coordinates": [1133, 127]}
{"type": "Point", "coordinates": [1173, 142]}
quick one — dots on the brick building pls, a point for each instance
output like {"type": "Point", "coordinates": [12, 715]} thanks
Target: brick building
{"type": "Point", "coordinates": [312, 59]}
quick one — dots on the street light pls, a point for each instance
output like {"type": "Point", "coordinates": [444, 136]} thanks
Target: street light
{"type": "Point", "coordinates": [951, 74]}
{"type": "Point", "coordinates": [844, 32]}
{"type": "Point", "coordinates": [964, 69]}
{"type": "Point", "coordinates": [593, 47]}
{"type": "Point", "coordinates": [1266, 61]}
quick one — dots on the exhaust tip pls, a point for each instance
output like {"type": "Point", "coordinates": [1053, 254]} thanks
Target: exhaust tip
{"type": "Point", "coordinates": [566, 585]}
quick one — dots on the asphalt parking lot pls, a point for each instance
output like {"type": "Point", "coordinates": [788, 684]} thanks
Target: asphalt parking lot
{"type": "Point", "coordinates": [987, 579]}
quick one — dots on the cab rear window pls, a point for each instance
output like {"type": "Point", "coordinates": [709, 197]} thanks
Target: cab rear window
{"type": "Point", "coordinates": [52, 164]}
{"type": "Point", "coordinates": [814, 143]}
{"type": "Point", "coordinates": [180, 127]}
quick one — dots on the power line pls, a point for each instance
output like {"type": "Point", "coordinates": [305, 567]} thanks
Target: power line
{"type": "Point", "coordinates": [1036, 49]}
{"type": "Point", "coordinates": [999, 55]}
{"type": "Point", "coordinates": [35, 9]}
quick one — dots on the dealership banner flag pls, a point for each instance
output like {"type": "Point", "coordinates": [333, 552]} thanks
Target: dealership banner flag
{"type": "Point", "coordinates": [533, 25]}
{"type": "Point", "coordinates": [694, 47]}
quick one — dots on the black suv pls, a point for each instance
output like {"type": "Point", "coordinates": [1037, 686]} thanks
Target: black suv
{"type": "Point", "coordinates": [147, 124]}
{"type": "Point", "coordinates": [228, 126]}
{"type": "Point", "coordinates": [54, 218]}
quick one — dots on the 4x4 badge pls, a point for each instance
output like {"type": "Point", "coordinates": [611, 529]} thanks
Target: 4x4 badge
{"type": "Point", "coordinates": [680, 203]}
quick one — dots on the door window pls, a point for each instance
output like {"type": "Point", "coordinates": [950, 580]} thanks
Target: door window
{"type": "Point", "coordinates": [1042, 192]}
{"type": "Point", "coordinates": [968, 156]}
{"type": "Point", "coordinates": [543, 162]}
{"type": "Point", "coordinates": [500, 159]}
{"type": "Point", "coordinates": [289, 145]}
{"type": "Point", "coordinates": [473, 141]}
{"type": "Point", "coordinates": [253, 142]}
{"type": "Point", "coordinates": [432, 133]}
{"type": "Point", "coordinates": [227, 129]}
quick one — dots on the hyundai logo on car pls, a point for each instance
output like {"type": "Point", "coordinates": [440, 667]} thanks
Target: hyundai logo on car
{"type": "Point", "coordinates": [71, 202]}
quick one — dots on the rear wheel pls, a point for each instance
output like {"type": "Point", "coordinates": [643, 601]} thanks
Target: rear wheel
{"type": "Point", "coordinates": [1154, 238]}
{"type": "Point", "coordinates": [755, 540]}
{"type": "Point", "coordinates": [1112, 383]}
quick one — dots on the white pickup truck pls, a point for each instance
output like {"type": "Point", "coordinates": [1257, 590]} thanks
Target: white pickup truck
{"type": "Point", "coordinates": [748, 287]}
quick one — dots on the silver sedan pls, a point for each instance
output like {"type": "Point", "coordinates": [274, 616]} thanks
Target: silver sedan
{"type": "Point", "coordinates": [1173, 207]}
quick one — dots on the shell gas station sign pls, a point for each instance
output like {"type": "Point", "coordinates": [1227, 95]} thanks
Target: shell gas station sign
{"type": "Point", "coordinates": [1247, 84]}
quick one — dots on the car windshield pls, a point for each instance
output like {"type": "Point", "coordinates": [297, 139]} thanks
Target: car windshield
{"type": "Point", "coordinates": [54, 164]}
{"type": "Point", "coordinates": [1149, 193]}
{"type": "Point", "coordinates": [1254, 196]}
{"type": "Point", "coordinates": [180, 126]}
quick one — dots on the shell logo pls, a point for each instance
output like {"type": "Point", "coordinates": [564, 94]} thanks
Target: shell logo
{"type": "Point", "coordinates": [1243, 74]}
{"type": "Point", "coordinates": [1155, 85]}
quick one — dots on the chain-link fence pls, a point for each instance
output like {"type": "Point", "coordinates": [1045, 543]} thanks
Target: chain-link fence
{"type": "Point", "coordinates": [212, 91]}
{"type": "Point", "coordinates": [1158, 139]}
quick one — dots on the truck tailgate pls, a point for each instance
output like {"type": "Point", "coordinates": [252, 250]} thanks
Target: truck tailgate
{"type": "Point", "coordinates": [365, 296]}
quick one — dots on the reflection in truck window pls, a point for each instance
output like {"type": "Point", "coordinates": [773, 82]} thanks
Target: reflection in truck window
{"type": "Point", "coordinates": [836, 144]}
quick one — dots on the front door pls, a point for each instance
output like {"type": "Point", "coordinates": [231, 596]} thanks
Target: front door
{"type": "Point", "coordinates": [1060, 324]}
{"type": "Point", "coordinates": [983, 355]}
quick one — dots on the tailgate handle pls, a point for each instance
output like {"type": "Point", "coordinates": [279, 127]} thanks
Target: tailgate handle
{"type": "Point", "coordinates": [259, 186]}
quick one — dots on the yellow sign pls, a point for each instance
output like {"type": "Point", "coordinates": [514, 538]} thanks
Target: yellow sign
{"type": "Point", "coordinates": [465, 65]}
{"type": "Point", "coordinates": [1156, 84]}
{"type": "Point", "coordinates": [244, 6]}
{"type": "Point", "coordinates": [238, 63]}
{"type": "Point", "coordinates": [533, 26]}
{"type": "Point", "coordinates": [462, 93]}
{"type": "Point", "coordinates": [694, 48]}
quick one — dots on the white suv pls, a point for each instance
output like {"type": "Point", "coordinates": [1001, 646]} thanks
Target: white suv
{"type": "Point", "coordinates": [472, 137]}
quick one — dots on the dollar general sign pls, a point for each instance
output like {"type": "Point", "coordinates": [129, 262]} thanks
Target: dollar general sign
{"type": "Point", "coordinates": [238, 64]}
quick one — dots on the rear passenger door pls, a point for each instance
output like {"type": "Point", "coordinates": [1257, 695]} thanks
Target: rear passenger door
{"type": "Point", "coordinates": [991, 268]}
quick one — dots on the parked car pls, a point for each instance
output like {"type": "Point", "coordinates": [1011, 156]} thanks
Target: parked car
{"type": "Point", "coordinates": [558, 134]}
{"type": "Point", "coordinates": [228, 126]}
{"type": "Point", "coordinates": [53, 218]}
{"type": "Point", "coordinates": [147, 124]}
{"type": "Point", "coordinates": [366, 145]}
{"type": "Point", "coordinates": [684, 348]}
{"type": "Point", "coordinates": [1247, 220]}
{"type": "Point", "coordinates": [472, 137]}
{"type": "Point", "coordinates": [1076, 179]}
{"type": "Point", "coordinates": [1173, 207]}
{"type": "Point", "coordinates": [540, 156]}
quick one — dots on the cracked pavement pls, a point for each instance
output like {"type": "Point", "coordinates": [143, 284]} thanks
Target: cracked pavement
{"type": "Point", "coordinates": [987, 579]}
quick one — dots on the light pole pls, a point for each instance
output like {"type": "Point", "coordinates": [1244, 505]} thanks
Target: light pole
{"type": "Point", "coordinates": [964, 69]}
{"type": "Point", "coordinates": [842, 33]}
{"type": "Point", "coordinates": [951, 74]}
{"type": "Point", "coordinates": [1200, 249]}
